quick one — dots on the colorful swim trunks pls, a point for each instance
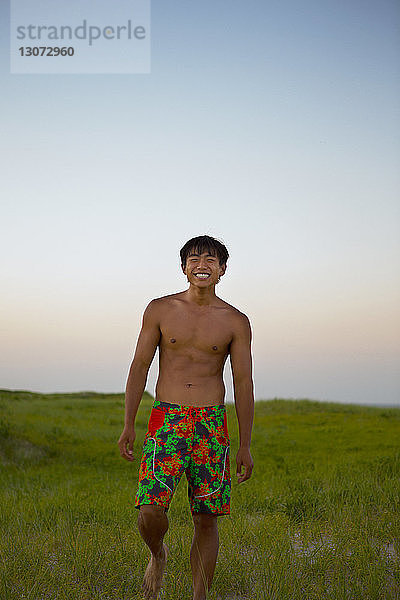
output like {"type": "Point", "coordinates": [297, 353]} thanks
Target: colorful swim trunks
{"type": "Point", "coordinates": [190, 440]}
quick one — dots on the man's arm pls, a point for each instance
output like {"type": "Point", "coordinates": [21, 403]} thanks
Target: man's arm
{"type": "Point", "coordinates": [240, 353]}
{"type": "Point", "coordinates": [146, 346]}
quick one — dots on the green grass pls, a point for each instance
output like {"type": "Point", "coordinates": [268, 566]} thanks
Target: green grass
{"type": "Point", "coordinates": [319, 519]}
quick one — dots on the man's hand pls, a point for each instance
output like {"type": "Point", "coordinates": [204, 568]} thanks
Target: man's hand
{"type": "Point", "coordinates": [244, 459]}
{"type": "Point", "coordinates": [125, 443]}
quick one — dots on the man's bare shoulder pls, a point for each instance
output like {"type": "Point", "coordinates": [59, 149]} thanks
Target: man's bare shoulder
{"type": "Point", "coordinates": [238, 318]}
{"type": "Point", "coordinates": [158, 304]}
{"type": "Point", "coordinates": [164, 300]}
{"type": "Point", "coordinates": [239, 324]}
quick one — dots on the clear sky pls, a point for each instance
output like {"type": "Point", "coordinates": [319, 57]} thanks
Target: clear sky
{"type": "Point", "coordinates": [271, 125]}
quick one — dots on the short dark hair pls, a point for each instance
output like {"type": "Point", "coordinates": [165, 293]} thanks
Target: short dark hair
{"type": "Point", "coordinates": [205, 243]}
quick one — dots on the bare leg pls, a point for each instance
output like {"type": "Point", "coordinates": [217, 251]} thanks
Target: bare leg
{"type": "Point", "coordinates": [203, 554]}
{"type": "Point", "coordinates": [153, 525]}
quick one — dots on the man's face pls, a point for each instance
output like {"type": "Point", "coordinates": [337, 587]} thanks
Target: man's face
{"type": "Point", "coordinates": [203, 270]}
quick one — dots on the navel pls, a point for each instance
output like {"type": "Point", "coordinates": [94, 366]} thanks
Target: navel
{"type": "Point", "coordinates": [188, 385]}
{"type": "Point", "coordinates": [215, 347]}
{"type": "Point", "coordinates": [172, 340]}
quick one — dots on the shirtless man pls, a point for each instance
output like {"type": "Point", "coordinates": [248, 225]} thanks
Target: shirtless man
{"type": "Point", "coordinates": [195, 332]}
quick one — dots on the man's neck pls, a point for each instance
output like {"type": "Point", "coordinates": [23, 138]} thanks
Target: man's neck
{"type": "Point", "coordinates": [201, 297]}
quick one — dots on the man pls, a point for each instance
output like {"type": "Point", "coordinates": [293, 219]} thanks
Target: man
{"type": "Point", "coordinates": [195, 332]}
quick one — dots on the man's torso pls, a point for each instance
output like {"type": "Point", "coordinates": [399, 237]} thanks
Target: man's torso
{"type": "Point", "coordinates": [194, 345]}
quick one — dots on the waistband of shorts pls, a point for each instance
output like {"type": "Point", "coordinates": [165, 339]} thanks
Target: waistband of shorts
{"type": "Point", "coordinates": [169, 407]}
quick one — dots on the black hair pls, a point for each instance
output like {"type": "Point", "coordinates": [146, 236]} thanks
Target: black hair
{"type": "Point", "coordinates": [205, 243]}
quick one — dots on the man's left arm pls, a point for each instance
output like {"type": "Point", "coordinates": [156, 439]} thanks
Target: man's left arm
{"type": "Point", "coordinates": [241, 363]}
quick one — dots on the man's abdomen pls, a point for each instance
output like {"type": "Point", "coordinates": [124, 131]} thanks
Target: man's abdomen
{"type": "Point", "coordinates": [191, 391]}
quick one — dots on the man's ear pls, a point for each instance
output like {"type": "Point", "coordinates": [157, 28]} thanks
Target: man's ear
{"type": "Point", "coordinates": [223, 268]}
{"type": "Point", "coordinates": [183, 269]}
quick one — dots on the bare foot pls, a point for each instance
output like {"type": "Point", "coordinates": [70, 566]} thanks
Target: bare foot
{"type": "Point", "coordinates": [154, 575]}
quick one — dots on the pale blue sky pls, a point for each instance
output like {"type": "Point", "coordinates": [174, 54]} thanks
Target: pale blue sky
{"type": "Point", "coordinates": [274, 126]}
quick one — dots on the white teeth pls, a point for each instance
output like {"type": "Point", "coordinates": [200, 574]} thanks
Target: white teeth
{"type": "Point", "coordinates": [202, 275]}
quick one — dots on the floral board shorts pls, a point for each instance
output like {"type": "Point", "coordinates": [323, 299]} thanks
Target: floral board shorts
{"type": "Point", "coordinates": [190, 440]}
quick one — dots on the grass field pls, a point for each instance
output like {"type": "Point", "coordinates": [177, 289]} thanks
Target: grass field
{"type": "Point", "coordinates": [318, 519]}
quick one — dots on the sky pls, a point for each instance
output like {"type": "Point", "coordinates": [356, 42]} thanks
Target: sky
{"type": "Point", "coordinates": [273, 126]}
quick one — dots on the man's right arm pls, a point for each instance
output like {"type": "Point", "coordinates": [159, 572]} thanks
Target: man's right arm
{"type": "Point", "coordinates": [148, 341]}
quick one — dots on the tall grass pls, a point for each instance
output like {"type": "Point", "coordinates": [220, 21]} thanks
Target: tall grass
{"type": "Point", "coordinates": [318, 519]}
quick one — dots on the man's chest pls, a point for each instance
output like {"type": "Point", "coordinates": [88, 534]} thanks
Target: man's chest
{"type": "Point", "coordinates": [204, 331]}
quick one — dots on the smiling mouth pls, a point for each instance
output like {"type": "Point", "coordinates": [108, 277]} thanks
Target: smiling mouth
{"type": "Point", "coordinates": [202, 275]}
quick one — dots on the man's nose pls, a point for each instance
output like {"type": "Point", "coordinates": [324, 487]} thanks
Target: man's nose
{"type": "Point", "coordinates": [203, 261]}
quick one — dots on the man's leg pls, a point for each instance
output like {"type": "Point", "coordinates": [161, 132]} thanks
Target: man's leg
{"type": "Point", "coordinates": [153, 525]}
{"type": "Point", "coordinates": [203, 554]}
